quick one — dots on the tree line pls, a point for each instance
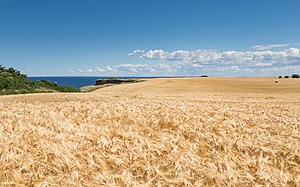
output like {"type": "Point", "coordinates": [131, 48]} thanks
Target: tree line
{"type": "Point", "coordinates": [293, 76]}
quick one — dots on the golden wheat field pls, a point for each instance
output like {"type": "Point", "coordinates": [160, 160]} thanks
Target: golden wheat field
{"type": "Point", "coordinates": [161, 132]}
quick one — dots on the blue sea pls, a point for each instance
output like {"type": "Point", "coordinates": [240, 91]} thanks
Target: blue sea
{"type": "Point", "coordinates": [76, 82]}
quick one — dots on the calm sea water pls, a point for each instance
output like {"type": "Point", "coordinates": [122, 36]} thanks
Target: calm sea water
{"type": "Point", "coordinates": [76, 82]}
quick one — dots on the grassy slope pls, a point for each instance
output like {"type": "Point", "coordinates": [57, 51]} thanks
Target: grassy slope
{"type": "Point", "coordinates": [188, 132]}
{"type": "Point", "coordinates": [13, 81]}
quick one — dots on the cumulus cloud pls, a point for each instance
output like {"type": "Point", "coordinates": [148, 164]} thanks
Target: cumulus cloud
{"type": "Point", "coordinates": [212, 62]}
{"type": "Point", "coordinates": [268, 47]}
{"type": "Point", "coordinates": [133, 70]}
{"type": "Point", "coordinates": [228, 58]}
{"type": "Point", "coordinates": [136, 52]}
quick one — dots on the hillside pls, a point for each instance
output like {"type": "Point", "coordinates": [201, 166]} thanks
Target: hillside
{"type": "Point", "coordinates": [13, 81]}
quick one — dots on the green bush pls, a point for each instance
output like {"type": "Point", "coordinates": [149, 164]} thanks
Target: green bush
{"type": "Point", "coordinates": [286, 77]}
{"type": "Point", "coordinates": [295, 76]}
{"type": "Point", "coordinates": [11, 72]}
{"type": "Point", "coordinates": [66, 89]}
{"type": "Point", "coordinates": [55, 86]}
{"type": "Point", "coordinates": [13, 82]}
{"type": "Point", "coordinates": [46, 84]}
{"type": "Point", "coordinates": [280, 77]}
{"type": "Point", "coordinates": [5, 74]}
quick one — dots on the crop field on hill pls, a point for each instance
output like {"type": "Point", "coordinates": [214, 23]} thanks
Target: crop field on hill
{"type": "Point", "coordinates": [161, 132]}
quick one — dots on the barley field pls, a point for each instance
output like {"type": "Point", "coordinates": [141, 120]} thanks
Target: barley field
{"type": "Point", "coordinates": [160, 132]}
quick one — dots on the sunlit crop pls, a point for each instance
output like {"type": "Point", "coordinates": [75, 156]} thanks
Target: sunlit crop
{"type": "Point", "coordinates": [175, 132]}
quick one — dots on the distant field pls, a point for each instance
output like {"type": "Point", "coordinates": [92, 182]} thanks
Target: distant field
{"type": "Point", "coordinates": [161, 132]}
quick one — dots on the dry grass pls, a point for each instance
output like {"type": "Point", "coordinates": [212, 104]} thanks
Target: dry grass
{"type": "Point", "coordinates": [93, 87]}
{"type": "Point", "coordinates": [163, 132]}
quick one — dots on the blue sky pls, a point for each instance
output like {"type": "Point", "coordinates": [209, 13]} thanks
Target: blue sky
{"type": "Point", "coordinates": [150, 38]}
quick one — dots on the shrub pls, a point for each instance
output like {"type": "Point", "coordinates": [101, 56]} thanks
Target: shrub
{"type": "Point", "coordinates": [13, 82]}
{"type": "Point", "coordinates": [47, 84]}
{"type": "Point", "coordinates": [295, 76]}
{"type": "Point", "coordinates": [66, 89]}
{"type": "Point", "coordinates": [286, 77]}
{"type": "Point", "coordinates": [55, 86]}
{"type": "Point", "coordinates": [204, 76]}
{"type": "Point", "coordinates": [5, 74]}
{"type": "Point", "coordinates": [11, 72]}
{"type": "Point", "coordinates": [280, 77]}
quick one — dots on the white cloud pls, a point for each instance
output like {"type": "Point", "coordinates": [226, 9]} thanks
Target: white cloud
{"type": "Point", "coordinates": [228, 58]}
{"type": "Point", "coordinates": [136, 52]}
{"type": "Point", "coordinates": [133, 70]}
{"type": "Point", "coordinates": [211, 62]}
{"type": "Point", "coordinates": [267, 47]}
{"type": "Point", "coordinates": [27, 71]}
{"type": "Point", "coordinates": [89, 70]}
